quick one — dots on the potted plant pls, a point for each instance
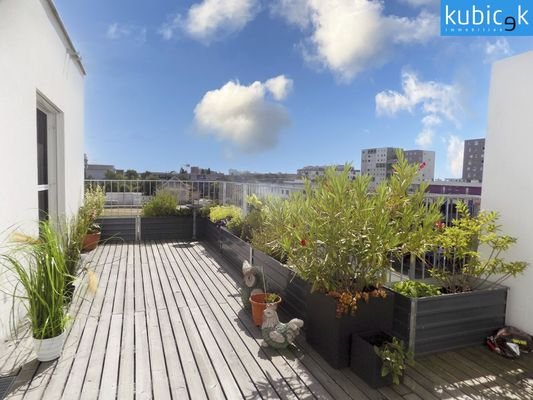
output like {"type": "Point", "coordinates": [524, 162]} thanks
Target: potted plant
{"type": "Point", "coordinates": [379, 359]}
{"type": "Point", "coordinates": [340, 237]}
{"type": "Point", "coordinates": [39, 266]}
{"type": "Point", "coordinates": [463, 305]}
{"type": "Point", "coordinates": [259, 303]}
{"type": "Point", "coordinates": [92, 237]}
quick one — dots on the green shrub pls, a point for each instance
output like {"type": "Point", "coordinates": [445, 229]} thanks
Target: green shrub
{"type": "Point", "coordinates": [253, 219]}
{"type": "Point", "coordinates": [395, 359]}
{"type": "Point", "coordinates": [416, 289]}
{"type": "Point", "coordinates": [163, 204]}
{"type": "Point", "coordinates": [224, 213]}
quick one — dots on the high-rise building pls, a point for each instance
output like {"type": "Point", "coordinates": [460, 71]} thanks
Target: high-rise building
{"type": "Point", "coordinates": [378, 162]}
{"type": "Point", "coordinates": [474, 155]}
{"type": "Point", "coordinates": [426, 160]}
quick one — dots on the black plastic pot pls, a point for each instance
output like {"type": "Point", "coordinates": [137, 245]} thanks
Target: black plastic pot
{"type": "Point", "coordinates": [331, 337]}
{"type": "Point", "coordinates": [364, 360]}
{"type": "Point", "coordinates": [450, 321]}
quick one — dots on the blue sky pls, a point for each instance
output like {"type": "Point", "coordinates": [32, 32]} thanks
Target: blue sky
{"type": "Point", "coordinates": [275, 85]}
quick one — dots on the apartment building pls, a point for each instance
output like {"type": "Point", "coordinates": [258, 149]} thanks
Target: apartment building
{"type": "Point", "coordinates": [473, 158]}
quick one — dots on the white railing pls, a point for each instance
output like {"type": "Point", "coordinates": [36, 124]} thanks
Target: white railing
{"type": "Point", "coordinates": [128, 196]}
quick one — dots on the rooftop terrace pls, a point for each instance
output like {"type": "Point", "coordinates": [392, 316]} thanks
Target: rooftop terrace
{"type": "Point", "coordinates": [167, 323]}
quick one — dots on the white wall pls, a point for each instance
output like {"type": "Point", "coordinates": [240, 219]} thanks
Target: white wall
{"type": "Point", "coordinates": [34, 58]}
{"type": "Point", "coordinates": [507, 176]}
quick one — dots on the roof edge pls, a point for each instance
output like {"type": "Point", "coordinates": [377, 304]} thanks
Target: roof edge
{"type": "Point", "coordinates": [74, 54]}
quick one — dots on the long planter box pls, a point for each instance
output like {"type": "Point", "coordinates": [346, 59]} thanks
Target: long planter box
{"type": "Point", "coordinates": [450, 321]}
{"type": "Point", "coordinates": [282, 280]}
{"type": "Point", "coordinates": [167, 228]}
{"type": "Point", "coordinates": [118, 228]}
{"type": "Point", "coordinates": [366, 363]}
{"type": "Point", "coordinates": [331, 337]}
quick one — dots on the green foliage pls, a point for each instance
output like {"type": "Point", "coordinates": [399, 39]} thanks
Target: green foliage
{"type": "Point", "coordinates": [41, 271]}
{"type": "Point", "coordinates": [395, 359]}
{"type": "Point", "coordinates": [416, 289]}
{"type": "Point", "coordinates": [271, 298]}
{"type": "Point", "coordinates": [224, 213]}
{"type": "Point", "coordinates": [339, 237]}
{"type": "Point", "coordinates": [163, 204]}
{"type": "Point", "coordinates": [93, 203]}
{"type": "Point", "coordinates": [276, 214]}
{"type": "Point", "coordinates": [253, 219]}
{"type": "Point", "coordinates": [458, 246]}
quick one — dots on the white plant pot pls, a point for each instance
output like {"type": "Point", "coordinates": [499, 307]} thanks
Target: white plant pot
{"type": "Point", "coordinates": [49, 349]}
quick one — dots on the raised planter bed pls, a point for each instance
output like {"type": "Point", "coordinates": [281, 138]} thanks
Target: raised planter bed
{"type": "Point", "coordinates": [331, 336]}
{"type": "Point", "coordinates": [449, 321]}
{"type": "Point", "coordinates": [117, 228]}
{"type": "Point", "coordinates": [282, 280]}
{"type": "Point", "coordinates": [167, 228]}
{"type": "Point", "coordinates": [234, 249]}
{"type": "Point", "coordinates": [364, 360]}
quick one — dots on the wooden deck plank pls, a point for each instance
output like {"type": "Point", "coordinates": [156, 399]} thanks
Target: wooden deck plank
{"type": "Point", "coordinates": [232, 288]}
{"type": "Point", "coordinates": [84, 300]}
{"type": "Point", "coordinates": [196, 302]}
{"type": "Point", "coordinates": [100, 350]}
{"type": "Point", "coordinates": [126, 378]}
{"type": "Point", "coordinates": [167, 322]}
{"type": "Point", "coordinates": [290, 376]}
{"type": "Point", "coordinates": [81, 359]}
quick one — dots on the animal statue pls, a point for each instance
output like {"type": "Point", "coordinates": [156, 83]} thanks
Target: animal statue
{"type": "Point", "coordinates": [253, 280]}
{"type": "Point", "coordinates": [279, 335]}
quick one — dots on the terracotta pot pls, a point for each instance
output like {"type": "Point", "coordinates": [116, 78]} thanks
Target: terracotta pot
{"type": "Point", "coordinates": [90, 241]}
{"type": "Point", "coordinates": [258, 306]}
{"type": "Point", "coordinates": [49, 349]}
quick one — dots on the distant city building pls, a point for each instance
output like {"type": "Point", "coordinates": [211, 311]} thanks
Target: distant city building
{"type": "Point", "coordinates": [454, 187]}
{"type": "Point", "coordinates": [98, 171]}
{"type": "Point", "coordinates": [378, 163]}
{"type": "Point", "coordinates": [474, 155]}
{"type": "Point", "coordinates": [312, 172]}
{"type": "Point", "coordinates": [426, 160]}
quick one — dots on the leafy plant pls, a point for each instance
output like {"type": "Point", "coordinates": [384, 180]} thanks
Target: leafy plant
{"type": "Point", "coordinates": [411, 288]}
{"type": "Point", "coordinates": [271, 298]}
{"type": "Point", "coordinates": [41, 272]}
{"type": "Point", "coordinates": [224, 213]}
{"type": "Point", "coordinates": [229, 216]}
{"type": "Point", "coordinates": [395, 358]}
{"type": "Point", "coordinates": [163, 204]}
{"type": "Point", "coordinates": [459, 259]}
{"type": "Point", "coordinates": [93, 203]}
{"type": "Point", "coordinates": [94, 228]}
{"type": "Point", "coordinates": [253, 220]}
{"type": "Point", "coordinates": [340, 237]}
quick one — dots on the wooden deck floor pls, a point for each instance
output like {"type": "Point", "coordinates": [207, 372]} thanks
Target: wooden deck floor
{"type": "Point", "coordinates": [166, 323]}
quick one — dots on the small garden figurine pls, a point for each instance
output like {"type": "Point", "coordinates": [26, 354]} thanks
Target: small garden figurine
{"type": "Point", "coordinates": [279, 335]}
{"type": "Point", "coordinates": [252, 282]}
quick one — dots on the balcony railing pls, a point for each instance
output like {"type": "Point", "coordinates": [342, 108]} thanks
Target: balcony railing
{"type": "Point", "coordinates": [126, 197]}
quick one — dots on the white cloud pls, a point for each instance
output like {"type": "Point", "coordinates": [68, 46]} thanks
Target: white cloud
{"type": "Point", "coordinates": [349, 36]}
{"type": "Point", "coordinates": [454, 156]}
{"type": "Point", "coordinates": [422, 3]}
{"type": "Point", "coordinates": [243, 115]}
{"type": "Point", "coordinates": [434, 100]}
{"type": "Point", "coordinates": [117, 31]}
{"type": "Point", "coordinates": [280, 87]}
{"type": "Point", "coordinates": [496, 50]}
{"type": "Point", "coordinates": [211, 20]}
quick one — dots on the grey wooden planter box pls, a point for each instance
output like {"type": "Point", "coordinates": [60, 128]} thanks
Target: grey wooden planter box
{"type": "Point", "coordinates": [282, 280]}
{"type": "Point", "coordinates": [118, 228]}
{"type": "Point", "coordinates": [167, 228]}
{"type": "Point", "coordinates": [234, 249]}
{"type": "Point", "coordinates": [449, 321]}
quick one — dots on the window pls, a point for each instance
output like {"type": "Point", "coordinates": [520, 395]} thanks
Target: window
{"type": "Point", "coordinates": [42, 164]}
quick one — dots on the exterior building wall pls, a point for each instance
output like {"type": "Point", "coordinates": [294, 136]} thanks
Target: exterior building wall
{"type": "Point", "coordinates": [427, 173]}
{"type": "Point", "coordinates": [507, 183]}
{"type": "Point", "coordinates": [35, 66]}
{"type": "Point", "coordinates": [98, 171]}
{"type": "Point", "coordinates": [378, 163]}
{"type": "Point", "coordinates": [473, 160]}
